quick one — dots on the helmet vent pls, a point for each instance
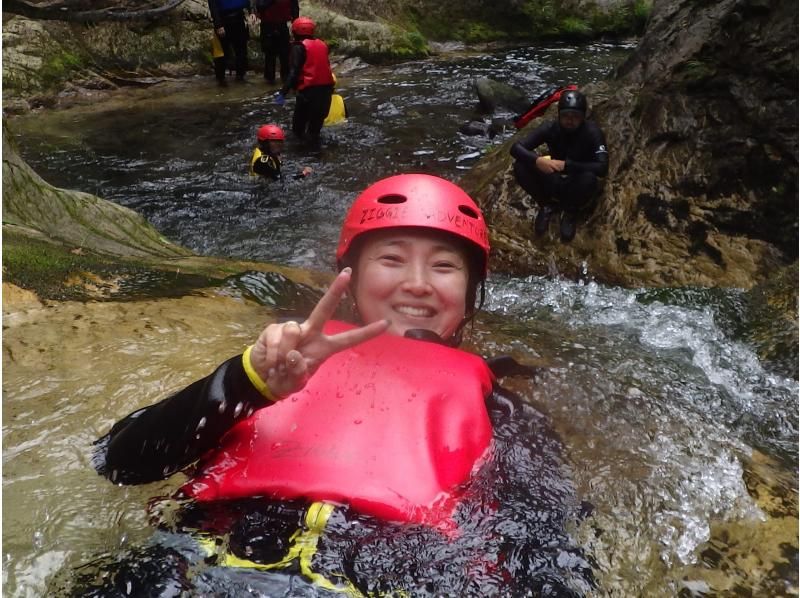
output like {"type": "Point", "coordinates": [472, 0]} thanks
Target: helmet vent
{"type": "Point", "coordinates": [468, 211]}
{"type": "Point", "coordinates": [392, 199]}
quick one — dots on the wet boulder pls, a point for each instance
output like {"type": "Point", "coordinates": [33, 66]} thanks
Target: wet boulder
{"type": "Point", "coordinates": [495, 94]}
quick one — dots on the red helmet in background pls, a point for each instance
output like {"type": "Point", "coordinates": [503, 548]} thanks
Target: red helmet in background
{"type": "Point", "coordinates": [416, 200]}
{"type": "Point", "coordinates": [303, 26]}
{"type": "Point", "coordinates": [270, 133]}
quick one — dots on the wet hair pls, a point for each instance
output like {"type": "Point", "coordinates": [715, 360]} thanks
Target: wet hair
{"type": "Point", "coordinates": [473, 257]}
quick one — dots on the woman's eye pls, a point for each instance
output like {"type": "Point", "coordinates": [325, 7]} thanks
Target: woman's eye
{"type": "Point", "coordinates": [390, 257]}
{"type": "Point", "coordinates": [445, 266]}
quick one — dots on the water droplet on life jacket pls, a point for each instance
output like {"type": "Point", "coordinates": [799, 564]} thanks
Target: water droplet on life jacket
{"type": "Point", "coordinates": [356, 421]}
{"type": "Point", "coordinates": [294, 399]}
{"type": "Point", "coordinates": [201, 424]}
{"type": "Point", "coordinates": [222, 406]}
{"type": "Point", "coordinates": [238, 409]}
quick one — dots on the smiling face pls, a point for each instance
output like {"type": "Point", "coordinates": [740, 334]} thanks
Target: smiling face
{"type": "Point", "coordinates": [414, 278]}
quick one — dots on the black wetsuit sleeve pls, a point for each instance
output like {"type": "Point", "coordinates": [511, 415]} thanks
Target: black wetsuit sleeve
{"type": "Point", "coordinates": [297, 58]}
{"type": "Point", "coordinates": [596, 150]}
{"type": "Point", "coordinates": [153, 443]}
{"type": "Point", "coordinates": [525, 149]}
{"type": "Point", "coordinates": [295, 9]}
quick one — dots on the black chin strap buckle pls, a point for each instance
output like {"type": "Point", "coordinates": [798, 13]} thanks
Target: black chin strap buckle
{"type": "Point", "coordinates": [423, 334]}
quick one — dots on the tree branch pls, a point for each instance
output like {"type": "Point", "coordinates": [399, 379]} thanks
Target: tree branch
{"type": "Point", "coordinates": [61, 12]}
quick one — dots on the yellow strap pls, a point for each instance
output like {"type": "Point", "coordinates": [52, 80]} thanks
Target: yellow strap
{"type": "Point", "coordinates": [303, 547]}
{"type": "Point", "coordinates": [254, 378]}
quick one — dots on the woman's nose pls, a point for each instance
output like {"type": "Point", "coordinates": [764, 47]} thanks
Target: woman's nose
{"type": "Point", "coordinates": [417, 280]}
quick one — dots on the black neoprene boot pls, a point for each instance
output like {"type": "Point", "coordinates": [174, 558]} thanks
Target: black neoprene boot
{"type": "Point", "coordinates": [542, 222]}
{"type": "Point", "coordinates": [568, 227]}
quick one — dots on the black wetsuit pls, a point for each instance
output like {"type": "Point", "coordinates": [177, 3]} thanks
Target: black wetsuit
{"type": "Point", "coordinates": [511, 539]}
{"type": "Point", "coordinates": [270, 166]}
{"type": "Point", "coordinates": [234, 42]}
{"type": "Point", "coordinates": [586, 163]}
{"type": "Point", "coordinates": [275, 38]}
{"type": "Point", "coordinates": [313, 103]}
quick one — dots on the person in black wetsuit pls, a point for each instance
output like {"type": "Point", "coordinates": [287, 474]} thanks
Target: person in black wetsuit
{"type": "Point", "coordinates": [274, 16]}
{"type": "Point", "coordinates": [569, 178]}
{"type": "Point", "coordinates": [230, 27]}
{"type": "Point", "coordinates": [311, 75]}
{"type": "Point", "coordinates": [266, 160]}
{"type": "Point", "coordinates": [410, 276]}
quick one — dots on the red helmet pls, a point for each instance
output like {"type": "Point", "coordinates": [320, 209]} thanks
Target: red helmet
{"type": "Point", "coordinates": [270, 133]}
{"type": "Point", "coordinates": [303, 26]}
{"type": "Point", "coordinates": [416, 200]}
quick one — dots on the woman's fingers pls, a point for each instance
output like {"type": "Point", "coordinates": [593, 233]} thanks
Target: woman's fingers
{"type": "Point", "coordinates": [290, 339]}
{"type": "Point", "coordinates": [349, 338]}
{"type": "Point", "coordinates": [327, 305]}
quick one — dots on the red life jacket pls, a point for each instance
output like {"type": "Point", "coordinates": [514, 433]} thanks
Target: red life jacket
{"type": "Point", "coordinates": [317, 67]}
{"type": "Point", "coordinates": [389, 427]}
{"type": "Point", "coordinates": [279, 11]}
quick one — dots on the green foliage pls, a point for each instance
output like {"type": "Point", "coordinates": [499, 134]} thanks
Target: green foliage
{"type": "Point", "coordinates": [60, 66]}
{"type": "Point", "coordinates": [575, 27]}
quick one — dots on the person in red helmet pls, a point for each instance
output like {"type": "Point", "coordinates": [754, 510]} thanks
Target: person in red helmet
{"type": "Point", "coordinates": [311, 76]}
{"type": "Point", "coordinates": [362, 432]}
{"type": "Point", "coordinates": [274, 16]}
{"type": "Point", "coordinates": [266, 160]}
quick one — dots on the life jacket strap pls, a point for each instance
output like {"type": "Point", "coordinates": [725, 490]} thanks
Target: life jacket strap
{"type": "Point", "coordinates": [303, 546]}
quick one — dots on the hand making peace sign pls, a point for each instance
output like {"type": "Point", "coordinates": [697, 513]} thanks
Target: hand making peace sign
{"type": "Point", "coordinates": [285, 355]}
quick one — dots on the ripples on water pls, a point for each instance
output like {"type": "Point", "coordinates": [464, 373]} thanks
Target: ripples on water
{"type": "Point", "coordinates": [661, 410]}
{"type": "Point", "coordinates": [665, 413]}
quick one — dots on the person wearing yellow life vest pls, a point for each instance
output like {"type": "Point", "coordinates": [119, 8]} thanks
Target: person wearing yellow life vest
{"type": "Point", "coordinates": [275, 16]}
{"type": "Point", "coordinates": [324, 436]}
{"type": "Point", "coordinates": [311, 76]}
{"type": "Point", "coordinates": [266, 160]}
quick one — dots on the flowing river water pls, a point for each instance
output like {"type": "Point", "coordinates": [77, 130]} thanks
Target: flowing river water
{"type": "Point", "coordinates": [681, 439]}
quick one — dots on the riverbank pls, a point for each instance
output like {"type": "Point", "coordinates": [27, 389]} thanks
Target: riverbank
{"type": "Point", "coordinates": [46, 61]}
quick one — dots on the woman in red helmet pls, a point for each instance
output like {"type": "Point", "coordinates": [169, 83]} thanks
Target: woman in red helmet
{"type": "Point", "coordinates": [368, 432]}
{"type": "Point", "coordinates": [266, 159]}
{"type": "Point", "coordinates": [311, 76]}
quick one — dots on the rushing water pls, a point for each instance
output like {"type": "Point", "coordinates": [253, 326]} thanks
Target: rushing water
{"type": "Point", "coordinates": [684, 443]}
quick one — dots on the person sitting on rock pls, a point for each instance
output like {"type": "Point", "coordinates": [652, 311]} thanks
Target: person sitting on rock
{"type": "Point", "coordinates": [570, 176]}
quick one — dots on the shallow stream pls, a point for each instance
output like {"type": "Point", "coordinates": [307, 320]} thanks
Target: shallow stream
{"type": "Point", "coordinates": [683, 442]}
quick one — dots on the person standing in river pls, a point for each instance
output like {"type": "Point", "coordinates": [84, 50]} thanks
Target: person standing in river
{"type": "Point", "coordinates": [230, 27]}
{"type": "Point", "coordinates": [311, 76]}
{"type": "Point", "coordinates": [569, 177]}
{"type": "Point", "coordinates": [275, 16]}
